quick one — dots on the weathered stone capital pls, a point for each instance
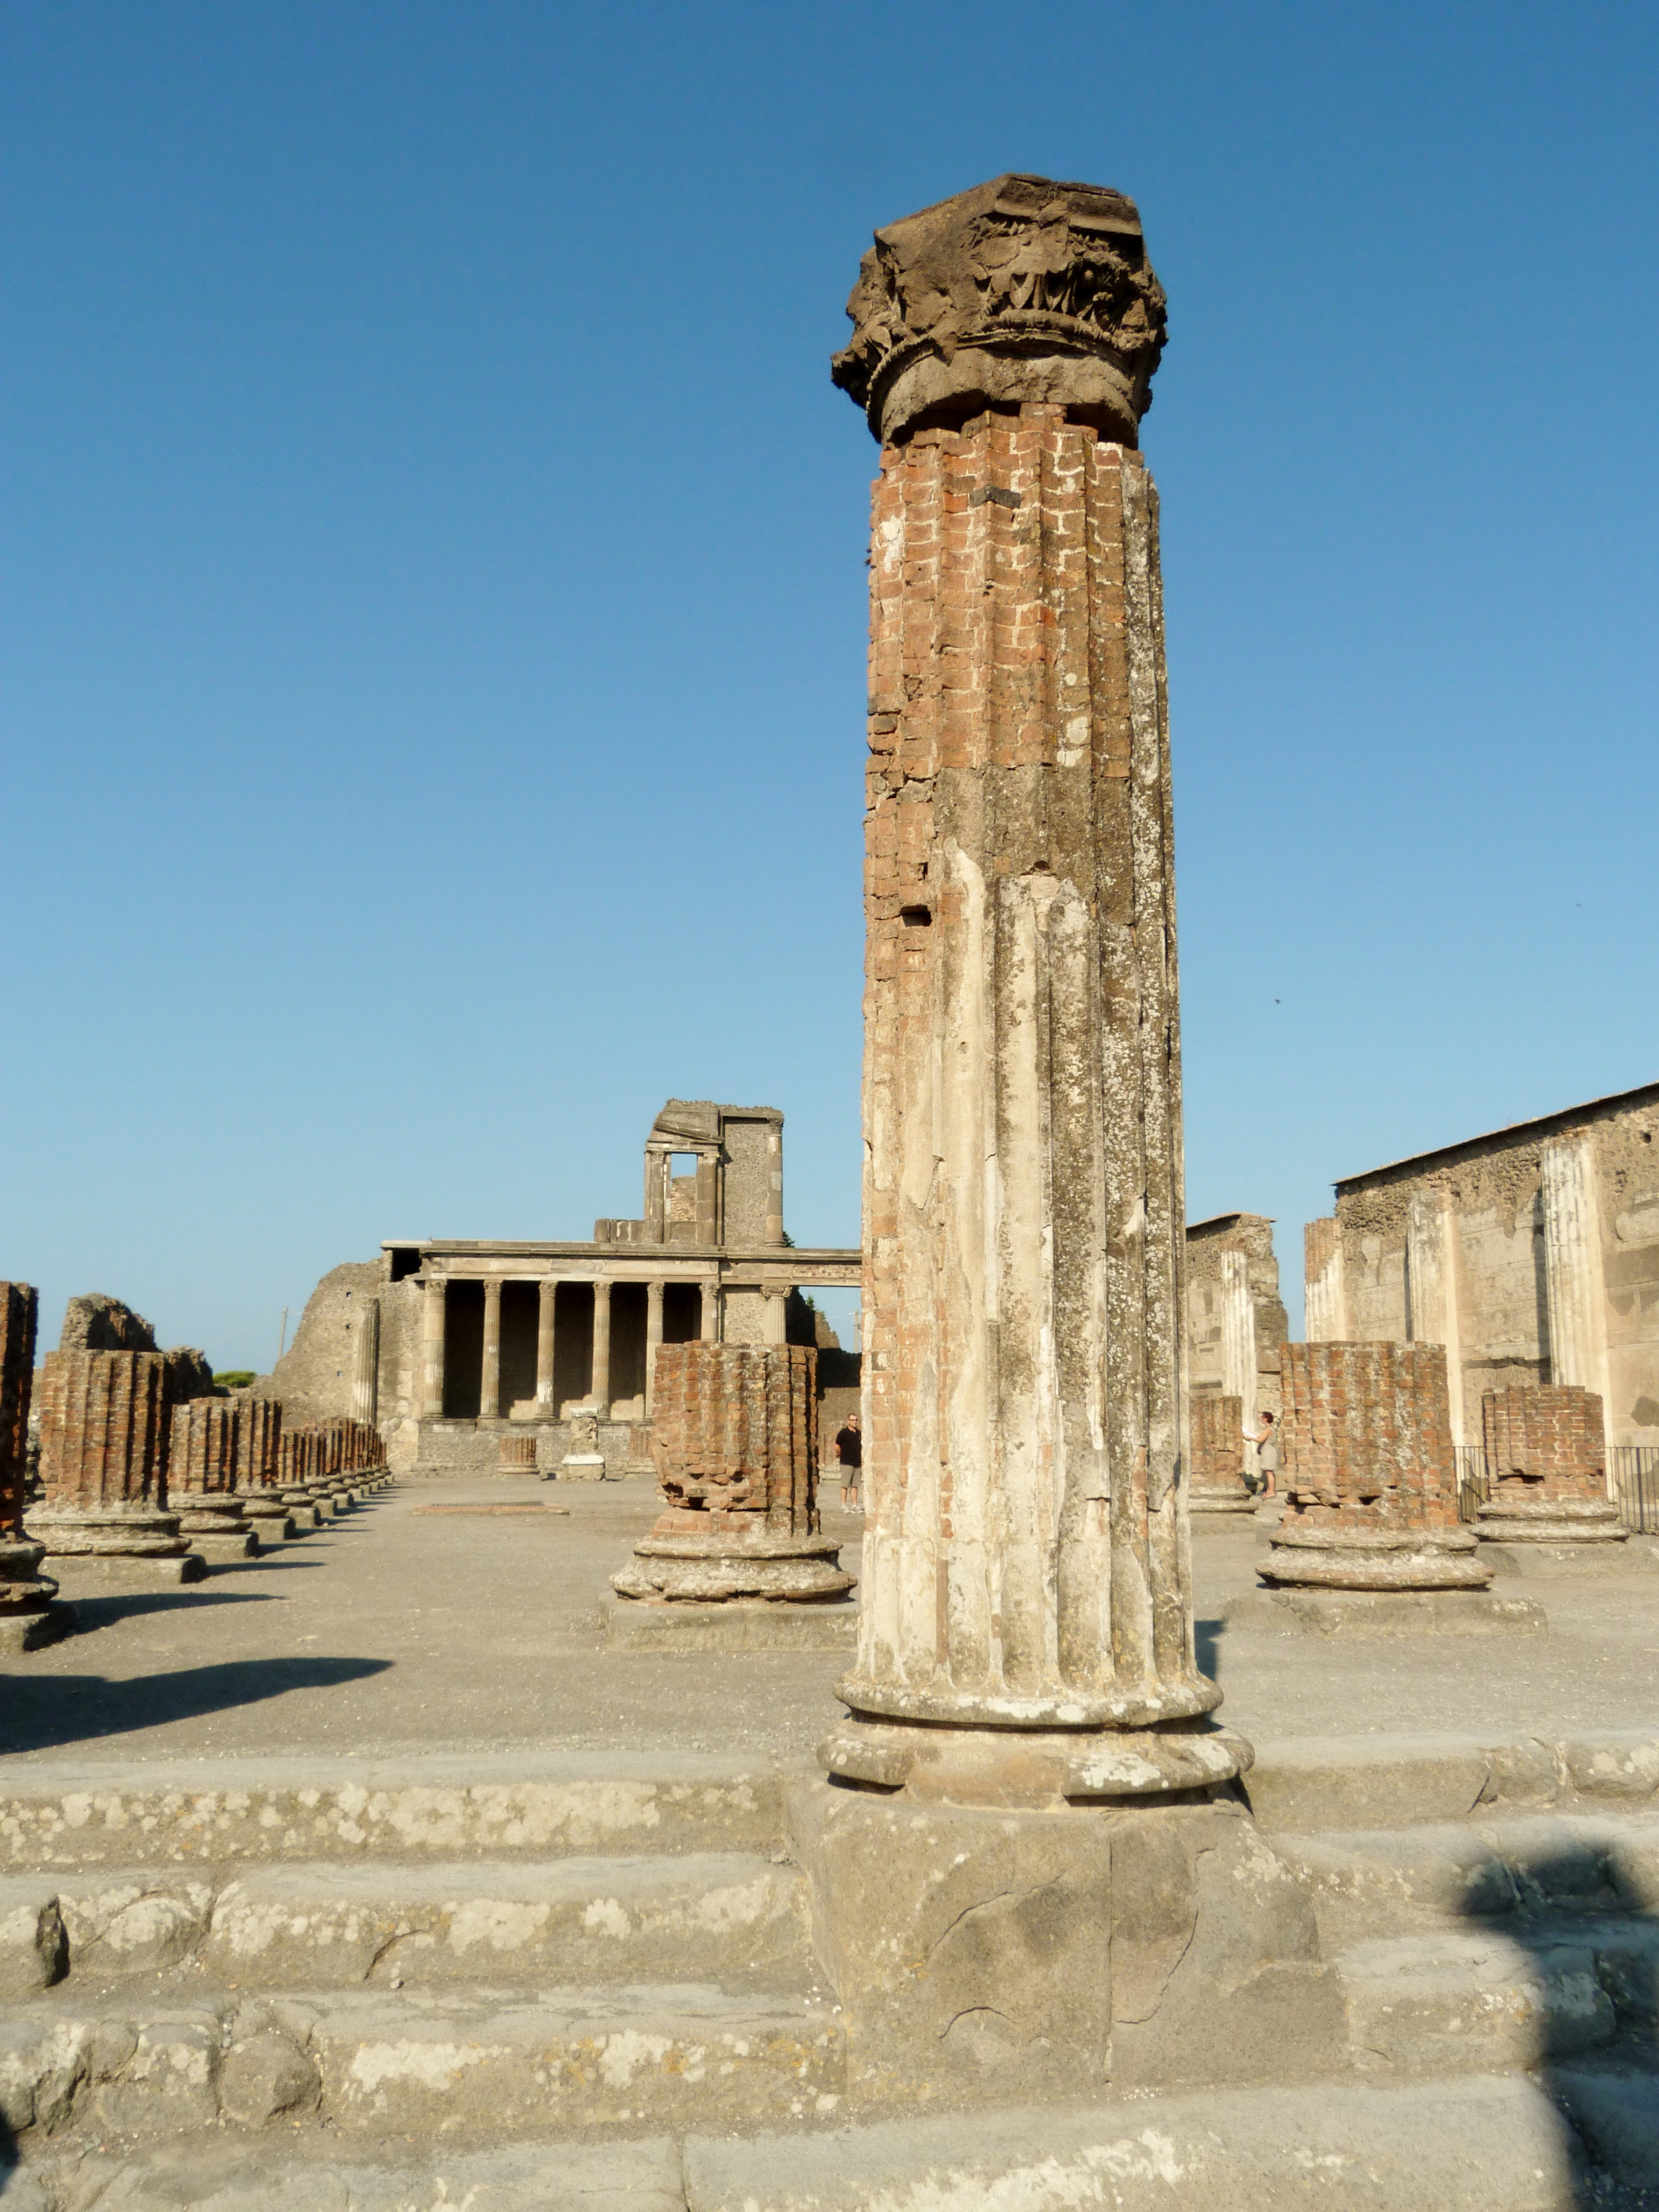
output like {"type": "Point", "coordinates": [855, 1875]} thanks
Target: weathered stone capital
{"type": "Point", "coordinates": [1019, 292]}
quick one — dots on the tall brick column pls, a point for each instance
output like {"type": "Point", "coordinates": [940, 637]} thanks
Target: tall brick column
{"type": "Point", "coordinates": [103, 1458]}
{"type": "Point", "coordinates": [1026, 1607]}
{"type": "Point", "coordinates": [27, 1616]}
{"type": "Point", "coordinates": [1217, 1449]}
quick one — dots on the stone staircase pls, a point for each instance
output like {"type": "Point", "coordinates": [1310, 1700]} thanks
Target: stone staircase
{"type": "Point", "coordinates": [535, 1980]}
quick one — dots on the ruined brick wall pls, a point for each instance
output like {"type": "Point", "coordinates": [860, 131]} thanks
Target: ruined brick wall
{"type": "Point", "coordinates": [202, 1452]}
{"type": "Point", "coordinates": [103, 1430]}
{"type": "Point", "coordinates": [1367, 1436]}
{"type": "Point", "coordinates": [1218, 1443]}
{"type": "Point", "coordinates": [1545, 1443]}
{"type": "Point", "coordinates": [735, 1427]}
{"type": "Point", "coordinates": [316, 1377]}
{"type": "Point", "coordinates": [96, 1322]}
{"type": "Point", "coordinates": [20, 1316]}
{"type": "Point", "coordinates": [1212, 1247]}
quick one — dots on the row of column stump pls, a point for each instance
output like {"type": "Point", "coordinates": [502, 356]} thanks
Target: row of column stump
{"type": "Point", "coordinates": [136, 1487]}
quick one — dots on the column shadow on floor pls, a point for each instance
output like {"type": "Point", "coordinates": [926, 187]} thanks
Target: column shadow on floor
{"type": "Point", "coordinates": [1591, 1946]}
{"type": "Point", "coordinates": [48, 1711]}
{"type": "Point", "coordinates": [1207, 1643]}
{"type": "Point", "coordinates": [92, 1613]}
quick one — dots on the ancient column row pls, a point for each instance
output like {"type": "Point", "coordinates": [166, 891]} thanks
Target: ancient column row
{"type": "Point", "coordinates": [434, 1362]}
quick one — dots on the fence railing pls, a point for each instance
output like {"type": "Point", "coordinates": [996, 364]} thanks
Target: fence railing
{"type": "Point", "coordinates": [1633, 1481]}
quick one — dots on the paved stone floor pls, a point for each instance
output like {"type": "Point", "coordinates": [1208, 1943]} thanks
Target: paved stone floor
{"type": "Point", "coordinates": [397, 1630]}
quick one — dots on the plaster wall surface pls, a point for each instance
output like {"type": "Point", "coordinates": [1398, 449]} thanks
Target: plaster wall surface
{"type": "Point", "coordinates": [1498, 1254]}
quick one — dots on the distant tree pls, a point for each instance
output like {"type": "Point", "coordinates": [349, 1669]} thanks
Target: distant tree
{"type": "Point", "coordinates": [233, 1378]}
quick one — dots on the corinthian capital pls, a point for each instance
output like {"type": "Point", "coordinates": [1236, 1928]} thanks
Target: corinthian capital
{"type": "Point", "coordinates": [1020, 291]}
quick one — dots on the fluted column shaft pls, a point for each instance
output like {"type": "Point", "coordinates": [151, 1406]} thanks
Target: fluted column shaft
{"type": "Point", "coordinates": [1026, 1550]}
{"type": "Point", "coordinates": [489, 1379]}
{"type": "Point", "coordinates": [547, 1292]}
{"type": "Point", "coordinates": [432, 1350]}
{"type": "Point", "coordinates": [601, 1388]}
{"type": "Point", "coordinates": [653, 1342]}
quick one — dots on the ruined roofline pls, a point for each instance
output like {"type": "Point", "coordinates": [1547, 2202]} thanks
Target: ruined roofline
{"type": "Point", "coordinates": [465, 1247]}
{"type": "Point", "coordinates": [1227, 1221]}
{"type": "Point", "coordinates": [1545, 1125]}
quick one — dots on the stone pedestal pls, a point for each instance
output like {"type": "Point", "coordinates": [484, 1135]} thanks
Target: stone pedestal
{"type": "Point", "coordinates": [1371, 1490]}
{"type": "Point", "coordinates": [584, 1461]}
{"type": "Point", "coordinates": [1217, 1457]}
{"type": "Point", "coordinates": [735, 1437]}
{"type": "Point", "coordinates": [517, 1455]}
{"type": "Point", "coordinates": [103, 1458]}
{"type": "Point", "coordinates": [202, 1463]}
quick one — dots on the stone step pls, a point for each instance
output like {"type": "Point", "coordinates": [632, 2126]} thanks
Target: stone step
{"type": "Point", "coordinates": [733, 1916]}
{"type": "Point", "coordinates": [481, 2064]}
{"type": "Point", "coordinates": [1386, 1882]}
{"type": "Point", "coordinates": [1312, 1784]}
{"type": "Point", "coordinates": [1486, 2000]}
{"type": "Point", "coordinates": [231, 1812]}
{"type": "Point", "coordinates": [1469, 2145]}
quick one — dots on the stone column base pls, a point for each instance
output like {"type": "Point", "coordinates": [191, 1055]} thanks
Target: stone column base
{"type": "Point", "coordinates": [1221, 1501]}
{"type": "Point", "coordinates": [208, 1513]}
{"type": "Point", "coordinates": [1045, 1955]}
{"type": "Point", "coordinates": [227, 1549]}
{"type": "Point", "coordinates": [736, 1625]}
{"type": "Point", "coordinates": [1384, 1612]}
{"type": "Point", "coordinates": [1332, 1557]}
{"type": "Point", "coordinates": [271, 1520]}
{"type": "Point", "coordinates": [670, 1566]}
{"type": "Point", "coordinates": [1045, 1768]}
{"type": "Point", "coordinates": [105, 1533]}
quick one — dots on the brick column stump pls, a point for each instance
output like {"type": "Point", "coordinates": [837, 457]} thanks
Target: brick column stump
{"type": "Point", "coordinates": [736, 1560]}
{"type": "Point", "coordinates": [259, 1451]}
{"type": "Point", "coordinates": [1548, 1510]}
{"type": "Point", "coordinates": [1370, 1540]}
{"type": "Point", "coordinates": [31, 1612]}
{"type": "Point", "coordinates": [202, 1455]}
{"type": "Point", "coordinates": [104, 1518]}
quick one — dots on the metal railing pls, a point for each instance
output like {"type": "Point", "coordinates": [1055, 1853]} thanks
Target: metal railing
{"type": "Point", "coordinates": [1633, 1483]}
{"type": "Point", "coordinates": [1633, 1479]}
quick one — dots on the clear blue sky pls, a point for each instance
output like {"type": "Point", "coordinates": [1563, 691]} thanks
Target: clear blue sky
{"type": "Point", "coordinates": [434, 592]}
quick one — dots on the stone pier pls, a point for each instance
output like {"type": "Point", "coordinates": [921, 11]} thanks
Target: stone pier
{"type": "Point", "coordinates": [737, 1559]}
{"type": "Point", "coordinates": [202, 1463]}
{"type": "Point", "coordinates": [1027, 1860]}
{"type": "Point", "coordinates": [1371, 1538]}
{"type": "Point", "coordinates": [104, 1518]}
{"type": "Point", "coordinates": [1547, 1510]}
{"type": "Point", "coordinates": [30, 1612]}
{"type": "Point", "coordinates": [1217, 1457]}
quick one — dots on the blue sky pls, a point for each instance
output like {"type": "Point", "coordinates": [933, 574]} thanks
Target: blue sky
{"type": "Point", "coordinates": [433, 592]}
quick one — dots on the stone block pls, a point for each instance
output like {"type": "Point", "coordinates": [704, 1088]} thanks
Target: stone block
{"type": "Point", "coordinates": [1368, 1612]}
{"type": "Point", "coordinates": [81, 1574]}
{"type": "Point", "coordinates": [33, 1632]}
{"type": "Point", "coordinates": [731, 1625]}
{"type": "Point", "coordinates": [1038, 1955]}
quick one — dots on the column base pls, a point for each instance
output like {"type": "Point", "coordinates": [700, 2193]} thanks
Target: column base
{"type": "Point", "coordinates": [1043, 1955]}
{"type": "Point", "coordinates": [209, 1512]}
{"type": "Point", "coordinates": [1572, 1520]}
{"type": "Point", "coordinates": [85, 1533]}
{"type": "Point", "coordinates": [1045, 1768]}
{"type": "Point", "coordinates": [582, 1466]}
{"type": "Point", "coordinates": [1221, 1501]}
{"type": "Point", "coordinates": [271, 1521]}
{"type": "Point", "coordinates": [1384, 1612]}
{"type": "Point", "coordinates": [670, 1566]}
{"type": "Point", "coordinates": [1329, 1557]}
